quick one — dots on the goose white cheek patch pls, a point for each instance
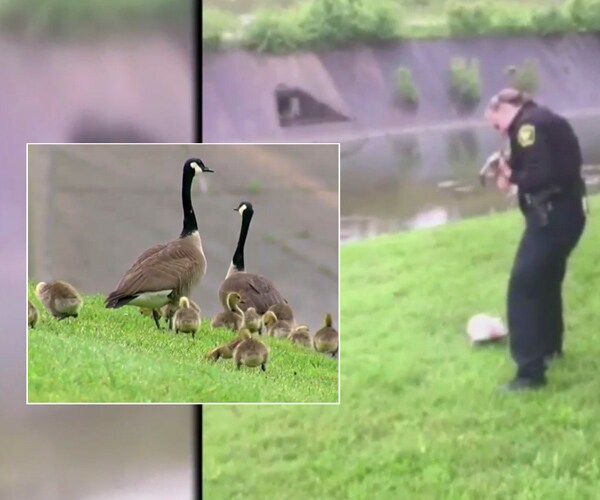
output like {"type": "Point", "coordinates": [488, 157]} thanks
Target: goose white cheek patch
{"type": "Point", "coordinates": [196, 167]}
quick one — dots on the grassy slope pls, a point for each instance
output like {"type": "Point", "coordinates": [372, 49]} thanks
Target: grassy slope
{"type": "Point", "coordinates": [119, 356]}
{"type": "Point", "coordinates": [420, 416]}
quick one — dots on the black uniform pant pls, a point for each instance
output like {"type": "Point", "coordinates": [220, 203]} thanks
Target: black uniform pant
{"type": "Point", "coordinates": [535, 313]}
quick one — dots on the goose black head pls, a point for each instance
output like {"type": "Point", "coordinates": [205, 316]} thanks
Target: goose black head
{"type": "Point", "coordinates": [196, 166]}
{"type": "Point", "coordinates": [244, 206]}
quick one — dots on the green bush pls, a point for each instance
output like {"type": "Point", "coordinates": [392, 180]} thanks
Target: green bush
{"type": "Point", "coordinates": [585, 14]}
{"type": "Point", "coordinates": [469, 19]}
{"type": "Point", "coordinates": [331, 23]}
{"type": "Point", "coordinates": [506, 20]}
{"type": "Point", "coordinates": [274, 31]}
{"type": "Point", "coordinates": [406, 89]}
{"type": "Point", "coordinates": [465, 82]}
{"type": "Point", "coordinates": [69, 18]}
{"type": "Point", "coordinates": [551, 21]}
{"type": "Point", "coordinates": [319, 24]}
{"type": "Point", "coordinates": [215, 24]}
{"type": "Point", "coordinates": [524, 78]}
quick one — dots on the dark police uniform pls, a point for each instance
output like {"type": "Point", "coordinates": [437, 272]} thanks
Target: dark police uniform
{"type": "Point", "coordinates": [546, 166]}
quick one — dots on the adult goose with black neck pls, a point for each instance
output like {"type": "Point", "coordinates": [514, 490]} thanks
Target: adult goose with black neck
{"type": "Point", "coordinates": [168, 271]}
{"type": "Point", "coordinates": [255, 290]}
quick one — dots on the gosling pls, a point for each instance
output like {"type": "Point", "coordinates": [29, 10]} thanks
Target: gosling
{"type": "Point", "coordinates": [326, 339]}
{"type": "Point", "coordinates": [60, 298]}
{"type": "Point", "coordinates": [186, 319]}
{"type": "Point", "coordinates": [224, 351]}
{"type": "Point", "coordinates": [168, 311]}
{"type": "Point", "coordinates": [284, 313]}
{"type": "Point", "coordinates": [250, 352]}
{"type": "Point", "coordinates": [234, 317]}
{"type": "Point", "coordinates": [33, 315]}
{"type": "Point", "coordinates": [301, 335]}
{"type": "Point", "coordinates": [276, 327]}
{"type": "Point", "coordinates": [253, 320]}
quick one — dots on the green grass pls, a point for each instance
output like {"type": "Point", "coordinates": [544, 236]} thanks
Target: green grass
{"type": "Point", "coordinates": [120, 356]}
{"type": "Point", "coordinates": [324, 24]}
{"type": "Point", "coordinates": [77, 19]}
{"type": "Point", "coordinates": [420, 414]}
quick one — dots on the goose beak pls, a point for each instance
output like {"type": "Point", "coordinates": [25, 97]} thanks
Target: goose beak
{"type": "Point", "coordinates": [206, 169]}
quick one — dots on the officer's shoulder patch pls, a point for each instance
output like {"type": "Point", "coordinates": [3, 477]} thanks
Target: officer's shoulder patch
{"type": "Point", "coordinates": [526, 135]}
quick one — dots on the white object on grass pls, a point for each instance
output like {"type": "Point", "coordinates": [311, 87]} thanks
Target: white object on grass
{"type": "Point", "coordinates": [485, 328]}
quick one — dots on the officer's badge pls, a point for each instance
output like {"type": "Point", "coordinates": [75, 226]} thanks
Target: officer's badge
{"type": "Point", "coordinates": [526, 135]}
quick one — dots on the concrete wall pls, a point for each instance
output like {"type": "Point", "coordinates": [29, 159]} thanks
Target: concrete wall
{"type": "Point", "coordinates": [238, 102]}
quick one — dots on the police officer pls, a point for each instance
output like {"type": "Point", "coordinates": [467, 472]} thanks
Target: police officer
{"type": "Point", "coordinates": [545, 165]}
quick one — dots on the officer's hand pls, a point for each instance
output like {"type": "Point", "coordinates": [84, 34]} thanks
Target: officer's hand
{"type": "Point", "coordinates": [504, 168]}
{"type": "Point", "coordinates": [502, 182]}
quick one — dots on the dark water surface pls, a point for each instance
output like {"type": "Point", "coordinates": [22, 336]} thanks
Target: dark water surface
{"type": "Point", "coordinates": [427, 178]}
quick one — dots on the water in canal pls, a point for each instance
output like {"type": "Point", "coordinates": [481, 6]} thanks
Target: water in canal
{"type": "Point", "coordinates": [427, 178]}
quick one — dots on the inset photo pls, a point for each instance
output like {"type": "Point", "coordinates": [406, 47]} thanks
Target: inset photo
{"type": "Point", "coordinates": [183, 273]}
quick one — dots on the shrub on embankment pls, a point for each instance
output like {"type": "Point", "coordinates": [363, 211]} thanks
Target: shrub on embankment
{"type": "Point", "coordinates": [323, 24]}
{"type": "Point", "coordinates": [69, 18]}
{"type": "Point", "coordinates": [406, 90]}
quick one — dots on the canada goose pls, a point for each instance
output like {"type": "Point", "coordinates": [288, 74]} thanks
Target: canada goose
{"type": "Point", "coordinates": [224, 351]}
{"type": "Point", "coordinates": [326, 339]}
{"type": "Point", "coordinates": [250, 352]}
{"type": "Point", "coordinates": [233, 318]}
{"type": "Point", "coordinates": [167, 312]}
{"type": "Point", "coordinates": [276, 327]}
{"type": "Point", "coordinates": [301, 336]}
{"type": "Point", "coordinates": [256, 291]}
{"type": "Point", "coordinates": [253, 320]}
{"type": "Point", "coordinates": [167, 271]}
{"type": "Point", "coordinates": [33, 315]}
{"type": "Point", "coordinates": [186, 319]}
{"type": "Point", "coordinates": [60, 298]}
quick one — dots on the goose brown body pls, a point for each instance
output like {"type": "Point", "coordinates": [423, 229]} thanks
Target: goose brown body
{"type": "Point", "coordinates": [60, 298]}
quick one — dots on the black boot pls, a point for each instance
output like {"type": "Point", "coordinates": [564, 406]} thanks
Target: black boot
{"type": "Point", "coordinates": [521, 383]}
